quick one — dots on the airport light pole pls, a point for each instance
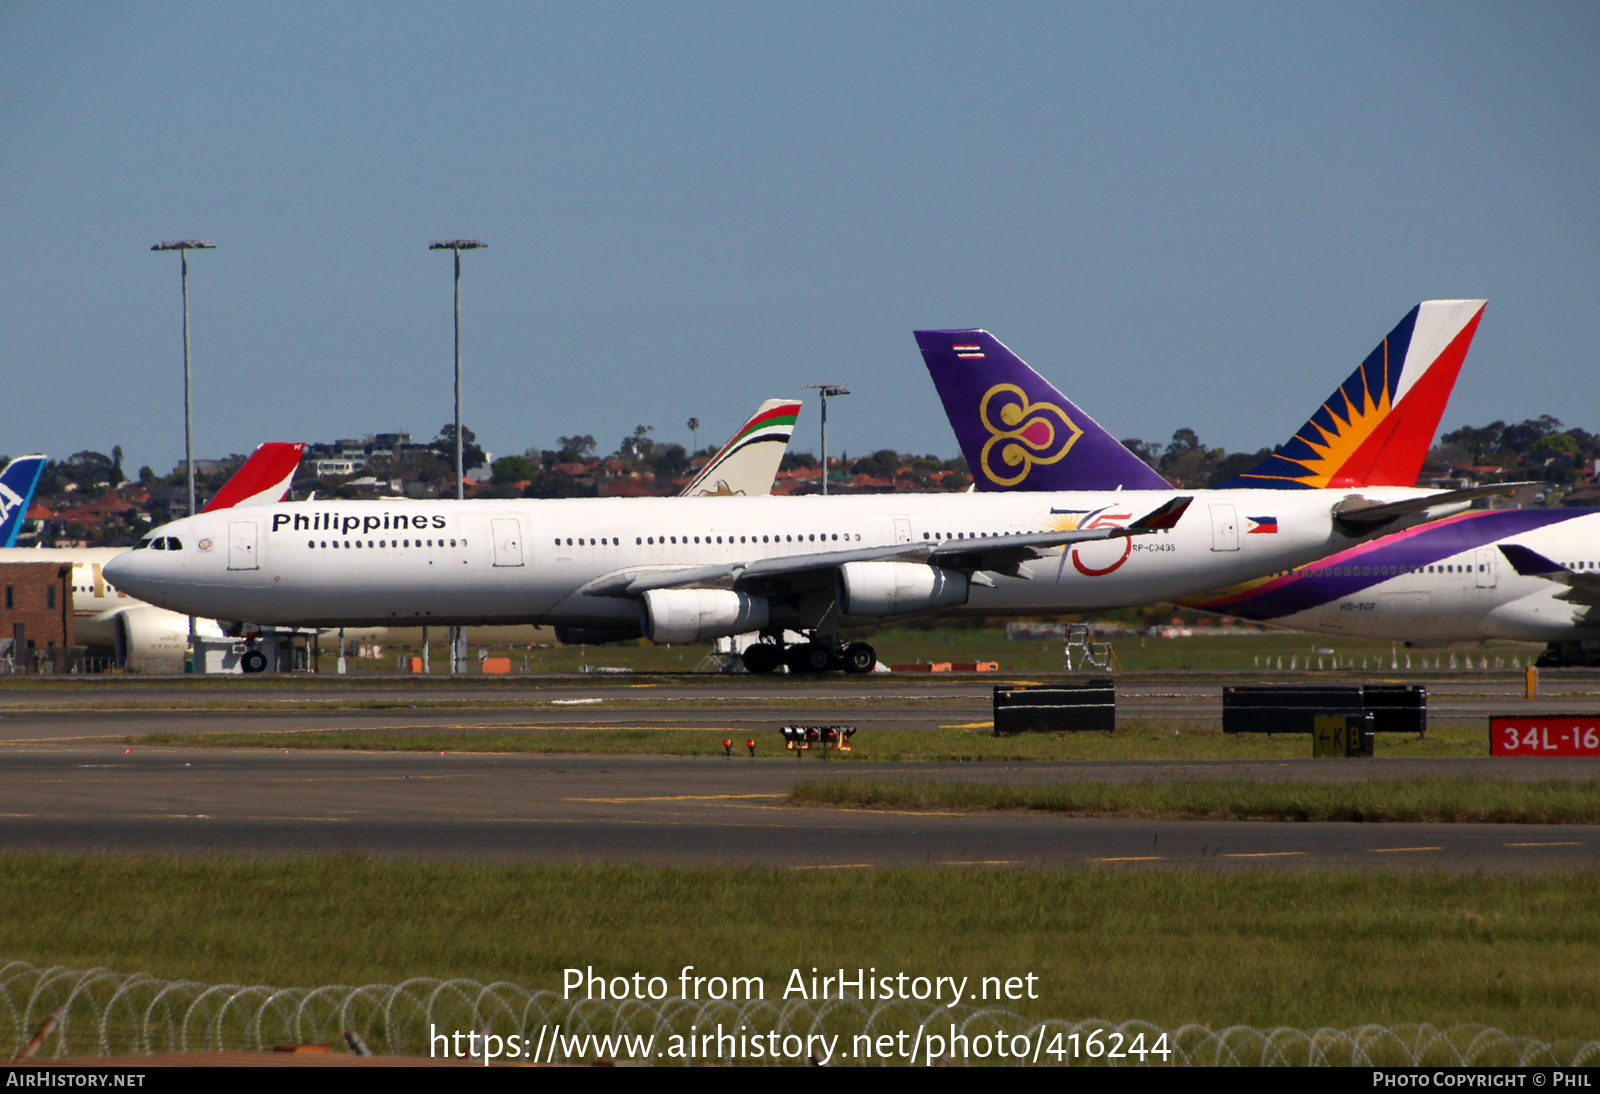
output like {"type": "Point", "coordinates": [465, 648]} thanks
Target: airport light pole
{"type": "Point", "coordinates": [183, 247]}
{"type": "Point", "coordinates": [826, 391]}
{"type": "Point", "coordinates": [458, 635]}
{"type": "Point", "coordinates": [457, 246]}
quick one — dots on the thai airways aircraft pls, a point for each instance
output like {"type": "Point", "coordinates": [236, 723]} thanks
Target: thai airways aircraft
{"type": "Point", "coordinates": [747, 465]}
{"type": "Point", "coordinates": [1447, 583]}
{"type": "Point", "coordinates": [105, 615]}
{"type": "Point", "coordinates": [689, 569]}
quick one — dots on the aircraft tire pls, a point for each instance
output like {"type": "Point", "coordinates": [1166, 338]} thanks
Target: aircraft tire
{"type": "Point", "coordinates": [807, 658]}
{"type": "Point", "coordinates": [859, 658]}
{"type": "Point", "coordinates": [253, 661]}
{"type": "Point", "coordinates": [761, 659]}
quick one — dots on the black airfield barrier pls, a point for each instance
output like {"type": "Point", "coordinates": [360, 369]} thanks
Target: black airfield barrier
{"type": "Point", "coordinates": [1294, 708]}
{"type": "Point", "coordinates": [1087, 707]}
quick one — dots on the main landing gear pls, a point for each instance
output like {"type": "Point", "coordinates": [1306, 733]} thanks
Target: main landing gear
{"type": "Point", "coordinates": [763, 658]}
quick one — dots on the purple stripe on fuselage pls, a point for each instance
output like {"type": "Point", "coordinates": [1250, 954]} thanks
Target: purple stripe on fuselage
{"type": "Point", "coordinates": [1382, 559]}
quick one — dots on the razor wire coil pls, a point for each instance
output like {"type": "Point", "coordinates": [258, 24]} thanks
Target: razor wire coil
{"type": "Point", "coordinates": [105, 1013]}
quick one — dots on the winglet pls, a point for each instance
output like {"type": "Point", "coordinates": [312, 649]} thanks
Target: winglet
{"type": "Point", "coordinates": [1163, 516]}
{"type": "Point", "coordinates": [265, 477]}
{"type": "Point", "coordinates": [1375, 430]}
{"type": "Point", "coordinates": [1016, 430]}
{"type": "Point", "coordinates": [17, 484]}
{"type": "Point", "coordinates": [1528, 562]}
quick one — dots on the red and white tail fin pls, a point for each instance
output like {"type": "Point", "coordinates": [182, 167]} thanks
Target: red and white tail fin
{"type": "Point", "coordinates": [265, 477]}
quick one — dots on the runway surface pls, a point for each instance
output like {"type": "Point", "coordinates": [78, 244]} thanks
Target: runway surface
{"type": "Point", "coordinates": [94, 799]}
{"type": "Point", "coordinates": [68, 785]}
{"type": "Point", "coordinates": [129, 706]}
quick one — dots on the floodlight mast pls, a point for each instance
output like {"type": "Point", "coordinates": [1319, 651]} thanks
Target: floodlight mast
{"type": "Point", "coordinates": [458, 635]}
{"type": "Point", "coordinates": [826, 391]}
{"type": "Point", "coordinates": [457, 246]}
{"type": "Point", "coordinates": [183, 247]}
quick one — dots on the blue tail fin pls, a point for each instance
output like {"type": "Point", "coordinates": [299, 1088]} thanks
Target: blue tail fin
{"type": "Point", "coordinates": [1016, 431]}
{"type": "Point", "coordinates": [17, 484]}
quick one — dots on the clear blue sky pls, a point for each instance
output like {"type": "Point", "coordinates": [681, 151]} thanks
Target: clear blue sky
{"type": "Point", "coordinates": [1184, 214]}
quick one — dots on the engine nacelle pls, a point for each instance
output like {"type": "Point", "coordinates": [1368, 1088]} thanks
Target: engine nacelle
{"type": "Point", "coordinates": [693, 615]}
{"type": "Point", "coordinates": [149, 631]}
{"type": "Point", "coordinates": [875, 589]}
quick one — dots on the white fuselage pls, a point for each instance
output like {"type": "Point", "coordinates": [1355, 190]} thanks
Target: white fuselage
{"type": "Point", "coordinates": [368, 563]}
{"type": "Point", "coordinates": [1446, 582]}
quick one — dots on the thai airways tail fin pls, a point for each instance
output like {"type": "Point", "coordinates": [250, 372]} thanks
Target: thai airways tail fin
{"type": "Point", "coordinates": [1016, 431]}
{"type": "Point", "coordinates": [1375, 430]}
{"type": "Point", "coordinates": [748, 463]}
{"type": "Point", "coordinates": [265, 477]}
{"type": "Point", "coordinates": [17, 484]}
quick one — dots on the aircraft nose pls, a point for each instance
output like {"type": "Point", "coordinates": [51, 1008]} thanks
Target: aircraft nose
{"type": "Point", "coordinates": [124, 572]}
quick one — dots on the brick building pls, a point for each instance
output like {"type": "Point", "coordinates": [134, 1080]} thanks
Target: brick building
{"type": "Point", "coordinates": [36, 612]}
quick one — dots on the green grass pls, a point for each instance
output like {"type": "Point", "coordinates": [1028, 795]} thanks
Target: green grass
{"type": "Point", "coordinates": [1263, 949]}
{"type": "Point", "coordinates": [1466, 800]}
{"type": "Point", "coordinates": [1137, 739]}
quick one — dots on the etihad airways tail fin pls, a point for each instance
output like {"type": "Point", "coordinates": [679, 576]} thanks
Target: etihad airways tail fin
{"type": "Point", "coordinates": [749, 462]}
{"type": "Point", "coordinates": [17, 484]}
{"type": "Point", "coordinates": [264, 479]}
{"type": "Point", "coordinates": [1375, 430]}
{"type": "Point", "coordinates": [1016, 431]}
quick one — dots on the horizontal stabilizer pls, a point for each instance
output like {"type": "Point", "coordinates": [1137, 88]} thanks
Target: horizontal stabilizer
{"type": "Point", "coordinates": [1585, 587]}
{"type": "Point", "coordinates": [1362, 516]}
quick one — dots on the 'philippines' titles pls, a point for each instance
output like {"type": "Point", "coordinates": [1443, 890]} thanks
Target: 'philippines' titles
{"type": "Point", "coordinates": [331, 521]}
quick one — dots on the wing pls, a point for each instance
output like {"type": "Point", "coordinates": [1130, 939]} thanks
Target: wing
{"type": "Point", "coordinates": [1582, 588]}
{"type": "Point", "coordinates": [1001, 553]}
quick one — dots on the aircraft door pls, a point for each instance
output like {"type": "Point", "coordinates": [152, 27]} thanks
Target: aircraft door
{"type": "Point", "coordinates": [1224, 528]}
{"type": "Point", "coordinates": [507, 535]}
{"type": "Point", "coordinates": [242, 545]}
{"type": "Point", "coordinates": [902, 529]}
{"type": "Point", "coordinates": [1487, 578]}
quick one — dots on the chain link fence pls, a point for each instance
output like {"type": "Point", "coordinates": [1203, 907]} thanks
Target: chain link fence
{"type": "Point", "coordinates": [98, 1012]}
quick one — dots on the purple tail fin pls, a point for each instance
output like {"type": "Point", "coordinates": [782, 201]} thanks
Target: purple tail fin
{"type": "Point", "coordinates": [1016, 431]}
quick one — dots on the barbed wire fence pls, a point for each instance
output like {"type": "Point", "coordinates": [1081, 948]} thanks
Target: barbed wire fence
{"type": "Point", "coordinates": [98, 1012]}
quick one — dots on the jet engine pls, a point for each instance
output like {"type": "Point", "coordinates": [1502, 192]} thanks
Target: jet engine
{"type": "Point", "coordinates": [692, 615]}
{"type": "Point", "coordinates": [149, 631]}
{"type": "Point", "coordinates": [873, 589]}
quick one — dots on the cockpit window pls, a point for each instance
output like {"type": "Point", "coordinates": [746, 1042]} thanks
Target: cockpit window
{"type": "Point", "coordinates": [142, 544]}
{"type": "Point", "coordinates": [160, 544]}
{"type": "Point", "coordinates": [174, 543]}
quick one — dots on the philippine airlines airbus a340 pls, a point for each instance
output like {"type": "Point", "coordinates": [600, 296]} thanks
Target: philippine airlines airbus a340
{"type": "Point", "coordinates": [689, 569]}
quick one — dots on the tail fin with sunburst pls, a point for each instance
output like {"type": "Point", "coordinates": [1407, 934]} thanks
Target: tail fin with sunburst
{"type": "Point", "coordinates": [1375, 430]}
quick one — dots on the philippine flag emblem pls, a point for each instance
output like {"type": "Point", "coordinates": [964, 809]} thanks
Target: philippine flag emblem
{"type": "Point", "coordinates": [1262, 526]}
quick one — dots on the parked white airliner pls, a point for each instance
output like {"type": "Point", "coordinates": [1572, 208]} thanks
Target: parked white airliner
{"type": "Point", "coordinates": [688, 569]}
